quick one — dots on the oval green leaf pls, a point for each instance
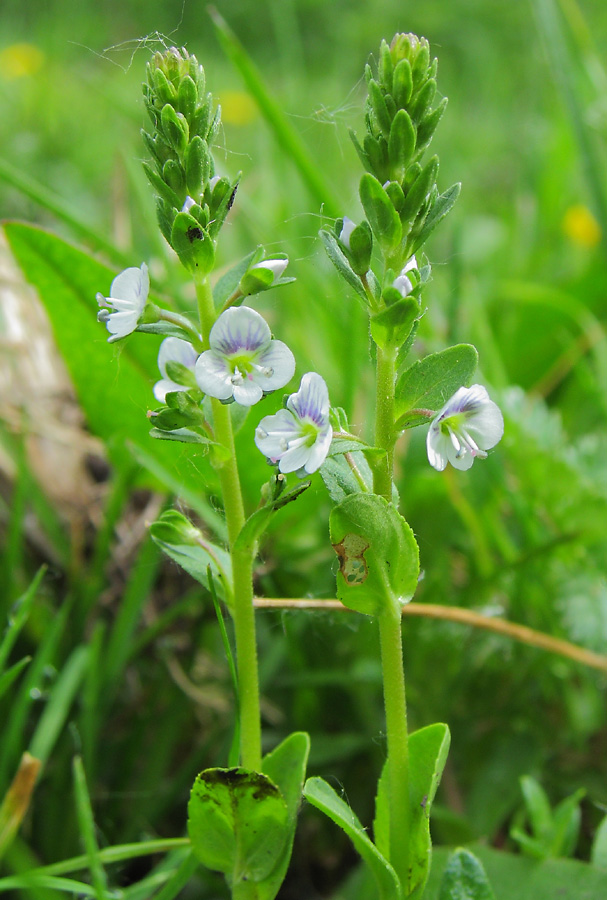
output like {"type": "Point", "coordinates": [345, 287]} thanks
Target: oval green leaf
{"type": "Point", "coordinates": [378, 554]}
{"type": "Point", "coordinates": [238, 823]}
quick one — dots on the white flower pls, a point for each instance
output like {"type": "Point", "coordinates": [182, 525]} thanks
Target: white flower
{"type": "Point", "coordinates": [173, 349]}
{"type": "Point", "coordinates": [244, 362]}
{"type": "Point", "coordinates": [467, 426]}
{"type": "Point", "coordinates": [188, 203]}
{"type": "Point", "coordinates": [299, 436]}
{"type": "Point", "coordinates": [128, 296]}
{"type": "Point", "coordinates": [402, 283]}
{"type": "Point", "coordinates": [346, 230]}
{"type": "Point", "coordinates": [275, 266]}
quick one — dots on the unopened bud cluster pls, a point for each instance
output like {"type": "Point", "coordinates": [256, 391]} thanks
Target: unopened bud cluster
{"type": "Point", "coordinates": [399, 194]}
{"type": "Point", "coordinates": [192, 202]}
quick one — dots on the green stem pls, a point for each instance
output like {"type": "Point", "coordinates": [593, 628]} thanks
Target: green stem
{"type": "Point", "coordinates": [168, 316]}
{"type": "Point", "coordinates": [391, 637]}
{"type": "Point", "coordinates": [242, 562]}
{"type": "Point", "coordinates": [384, 421]}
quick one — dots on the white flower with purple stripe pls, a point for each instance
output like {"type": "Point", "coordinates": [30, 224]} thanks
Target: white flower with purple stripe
{"type": "Point", "coordinates": [174, 350]}
{"type": "Point", "coordinates": [244, 362]}
{"type": "Point", "coordinates": [402, 282]}
{"type": "Point", "coordinates": [466, 427]}
{"type": "Point", "coordinates": [127, 300]}
{"type": "Point", "coordinates": [299, 437]}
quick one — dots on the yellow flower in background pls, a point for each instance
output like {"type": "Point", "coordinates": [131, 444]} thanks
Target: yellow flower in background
{"type": "Point", "coordinates": [20, 60]}
{"type": "Point", "coordinates": [237, 108]}
{"type": "Point", "coordinates": [581, 227]}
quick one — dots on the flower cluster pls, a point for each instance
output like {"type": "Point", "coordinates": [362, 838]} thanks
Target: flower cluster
{"type": "Point", "coordinates": [244, 363]}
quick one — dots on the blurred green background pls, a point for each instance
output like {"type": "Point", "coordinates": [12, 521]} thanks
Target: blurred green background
{"type": "Point", "coordinates": [519, 269]}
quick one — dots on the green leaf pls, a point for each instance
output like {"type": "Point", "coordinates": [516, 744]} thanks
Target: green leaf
{"type": "Point", "coordinates": [237, 822]}
{"type": "Point", "coordinates": [381, 821]}
{"type": "Point", "coordinates": [229, 282]}
{"type": "Point", "coordinates": [258, 521]}
{"type": "Point", "coordinates": [341, 263]}
{"type": "Point", "coordinates": [286, 767]}
{"type": "Point", "coordinates": [192, 244]}
{"type": "Point", "coordinates": [381, 215]}
{"type": "Point", "coordinates": [465, 879]}
{"type": "Point", "coordinates": [392, 325]}
{"type": "Point", "coordinates": [189, 548]}
{"type": "Point", "coordinates": [599, 846]}
{"type": "Point", "coordinates": [18, 616]}
{"type": "Point", "coordinates": [59, 703]}
{"type": "Point", "coordinates": [323, 797]}
{"type": "Point", "coordinates": [428, 749]}
{"type": "Point", "coordinates": [402, 83]}
{"type": "Point", "coordinates": [440, 208]}
{"type": "Point", "coordinates": [351, 444]}
{"type": "Point", "coordinates": [114, 396]}
{"type": "Point", "coordinates": [431, 381]}
{"type": "Point", "coordinates": [538, 806]}
{"type": "Point", "coordinates": [567, 819]}
{"type": "Point", "coordinates": [418, 193]}
{"type": "Point", "coordinates": [378, 554]}
{"type": "Point", "coordinates": [520, 878]}
{"type": "Point", "coordinates": [340, 480]}
{"type": "Point", "coordinates": [12, 673]}
{"type": "Point", "coordinates": [401, 144]}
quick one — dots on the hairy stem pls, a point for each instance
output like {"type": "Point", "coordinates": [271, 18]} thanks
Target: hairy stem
{"type": "Point", "coordinates": [391, 637]}
{"type": "Point", "coordinates": [242, 562]}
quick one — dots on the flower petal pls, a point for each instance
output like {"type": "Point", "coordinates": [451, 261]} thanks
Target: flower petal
{"type": "Point", "coordinates": [280, 361]}
{"type": "Point", "coordinates": [132, 284]}
{"type": "Point", "coordinates": [247, 393]}
{"type": "Point", "coordinates": [318, 452]}
{"type": "Point", "coordinates": [311, 400]}
{"type": "Point", "coordinates": [273, 433]}
{"type": "Point", "coordinates": [213, 376]}
{"type": "Point", "coordinates": [175, 349]}
{"type": "Point", "coordinates": [436, 446]}
{"type": "Point", "coordinates": [165, 386]}
{"type": "Point", "coordinates": [239, 329]}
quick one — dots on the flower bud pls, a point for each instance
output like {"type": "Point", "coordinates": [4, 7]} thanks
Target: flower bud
{"type": "Point", "coordinates": [263, 275]}
{"type": "Point", "coordinates": [183, 128]}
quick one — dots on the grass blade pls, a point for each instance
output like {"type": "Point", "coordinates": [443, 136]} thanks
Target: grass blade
{"type": "Point", "coordinates": [86, 822]}
{"type": "Point", "coordinates": [564, 71]}
{"type": "Point", "coordinates": [46, 199]}
{"type": "Point", "coordinates": [58, 706]}
{"type": "Point", "coordinates": [286, 136]}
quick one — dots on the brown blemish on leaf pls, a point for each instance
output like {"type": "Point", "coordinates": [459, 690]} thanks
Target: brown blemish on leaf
{"type": "Point", "coordinates": [352, 563]}
{"type": "Point", "coordinates": [194, 234]}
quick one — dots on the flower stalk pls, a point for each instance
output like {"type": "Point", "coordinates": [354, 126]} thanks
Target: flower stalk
{"type": "Point", "coordinates": [242, 560]}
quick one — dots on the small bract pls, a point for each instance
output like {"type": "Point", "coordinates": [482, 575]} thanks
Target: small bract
{"type": "Point", "coordinates": [174, 350]}
{"type": "Point", "coordinates": [466, 427]}
{"type": "Point", "coordinates": [244, 362]}
{"type": "Point", "coordinates": [124, 307]}
{"type": "Point", "coordinates": [299, 437]}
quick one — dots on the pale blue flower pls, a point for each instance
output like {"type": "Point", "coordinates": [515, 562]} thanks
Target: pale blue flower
{"type": "Point", "coordinates": [466, 427]}
{"type": "Point", "coordinates": [125, 305]}
{"type": "Point", "coordinates": [243, 362]}
{"type": "Point", "coordinates": [299, 437]}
